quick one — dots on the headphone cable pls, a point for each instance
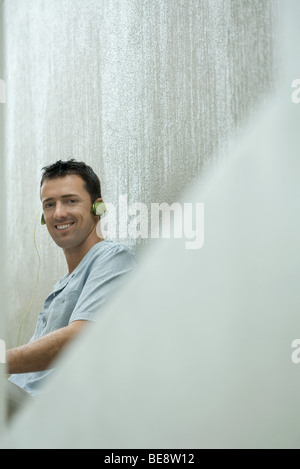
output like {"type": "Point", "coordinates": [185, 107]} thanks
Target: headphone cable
{"type": "Point", "coordinates": [37, 280]}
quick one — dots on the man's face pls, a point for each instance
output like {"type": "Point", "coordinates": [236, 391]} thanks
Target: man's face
{"type": "Point", "coordinates": [67, 211]}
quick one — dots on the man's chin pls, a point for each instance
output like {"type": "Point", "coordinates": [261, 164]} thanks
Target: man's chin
{"type": "Point", "coordinates": [64, 243]}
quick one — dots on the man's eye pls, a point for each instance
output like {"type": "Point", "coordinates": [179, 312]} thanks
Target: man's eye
{"type": "Point", "coordinates": [72, 201]}
{"type": "Point", "coordinates": [48, 206]}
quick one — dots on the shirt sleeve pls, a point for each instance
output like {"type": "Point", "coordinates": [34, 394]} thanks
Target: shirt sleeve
{"type": "Point", "coordinates": [104, 278]}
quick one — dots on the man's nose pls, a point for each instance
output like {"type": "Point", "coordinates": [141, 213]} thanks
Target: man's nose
{"type": "Point", "coordinates": [60, 211]}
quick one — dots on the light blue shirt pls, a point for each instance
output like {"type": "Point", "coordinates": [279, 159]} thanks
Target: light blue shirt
{"type": "Point", "coordinates": [79, 296]}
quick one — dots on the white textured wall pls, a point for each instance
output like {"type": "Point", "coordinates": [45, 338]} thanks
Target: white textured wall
{"type": "Point", "coordinates": [145, 92]}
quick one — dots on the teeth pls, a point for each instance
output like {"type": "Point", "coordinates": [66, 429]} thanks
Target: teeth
{"type": "Point", "coordinates": [63, 227]}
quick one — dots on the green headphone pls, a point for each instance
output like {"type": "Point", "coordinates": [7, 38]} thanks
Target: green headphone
{"type": "Point", "coordinates": [98, 209]}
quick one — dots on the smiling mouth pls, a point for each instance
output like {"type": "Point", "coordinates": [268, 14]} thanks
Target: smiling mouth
{"type": "Point", "coordinates": [64, 227]}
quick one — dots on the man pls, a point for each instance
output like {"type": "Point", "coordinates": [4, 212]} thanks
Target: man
{"type": "Point", "coordinates": [69, 191]}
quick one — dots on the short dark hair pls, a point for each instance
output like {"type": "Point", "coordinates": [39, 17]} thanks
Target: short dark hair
{"type": "Point", "coordinates": [70, 167]}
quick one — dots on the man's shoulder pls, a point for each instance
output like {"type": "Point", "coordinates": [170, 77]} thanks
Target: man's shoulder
{"type": "Point", "coordinates": [113, 247]}
{"type": "Point", "coordinates": [107, 251]}
{"type": "Point", "coordinates": [108, 257]}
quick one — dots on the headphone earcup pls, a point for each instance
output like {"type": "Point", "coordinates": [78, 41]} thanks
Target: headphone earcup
{"type": "Point", "coordinates": [99, 209]}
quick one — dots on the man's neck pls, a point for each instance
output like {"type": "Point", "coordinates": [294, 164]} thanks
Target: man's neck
{"type": "Point", "coordinates": [75, 255]}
